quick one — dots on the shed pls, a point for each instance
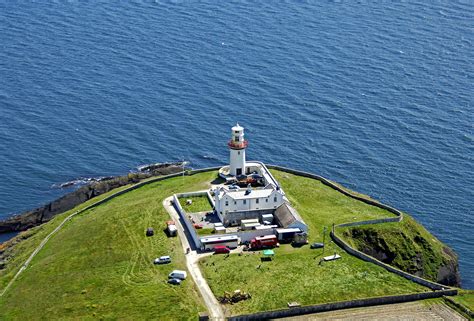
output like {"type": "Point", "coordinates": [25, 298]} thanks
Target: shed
{"type": "Point", "coordinates": [287, 217]}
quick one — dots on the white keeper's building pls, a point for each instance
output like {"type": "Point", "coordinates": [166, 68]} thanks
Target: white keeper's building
{"type": "Point", "coordinates": [233, 204]}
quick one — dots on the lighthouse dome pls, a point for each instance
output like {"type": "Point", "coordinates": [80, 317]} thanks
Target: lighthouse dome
{"type": "Point", "coordinates": [237, 128]}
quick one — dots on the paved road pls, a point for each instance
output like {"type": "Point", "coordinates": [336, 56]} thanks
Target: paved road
{"type": "Point", "coordinates": [192, 259]}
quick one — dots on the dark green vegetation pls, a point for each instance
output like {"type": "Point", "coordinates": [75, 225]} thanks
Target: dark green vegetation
{"type": "Point", "coordinates": [100, 264]}
{"type": "Point", "coordinates": [408, 246]}
{"type": "Point", "coordinates": [295, 274]}
{"type": "Point", "coordinates": [199, 204]}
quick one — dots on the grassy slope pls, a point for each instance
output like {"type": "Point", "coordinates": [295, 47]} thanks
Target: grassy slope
{"type": "Point", "coordinates": [408, 240]}
{"type": "Point", "coordinates": [199, 204]}
{"type": "Point", "coordinates": [295, 275]}
{"type": "Point", "coordinates": [99, 264]}
{"type": "Point", "coordinates": [466, 298]}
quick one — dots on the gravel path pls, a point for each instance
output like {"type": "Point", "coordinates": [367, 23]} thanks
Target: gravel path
{"type": "Point", "coordinates": [192, 259]}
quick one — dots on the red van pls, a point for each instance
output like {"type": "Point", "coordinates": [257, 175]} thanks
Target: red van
{"type": "Point", "coordinates": [221, 249]}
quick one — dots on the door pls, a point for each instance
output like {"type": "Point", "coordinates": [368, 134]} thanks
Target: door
{"type": "Point", "coordinates": [238, 171]}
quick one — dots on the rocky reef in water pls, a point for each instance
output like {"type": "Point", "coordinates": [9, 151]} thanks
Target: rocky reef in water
{"type": "Point", "coordinates": [91, 189]}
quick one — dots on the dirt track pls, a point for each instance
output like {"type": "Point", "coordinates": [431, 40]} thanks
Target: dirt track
{"type": "Point", "coordinates": [403, 311]}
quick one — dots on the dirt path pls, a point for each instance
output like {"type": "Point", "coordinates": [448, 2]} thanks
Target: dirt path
{"type": "Point", "coordinates": [419, 310]}
{"type": "Point", "coordinates": [192, 259]}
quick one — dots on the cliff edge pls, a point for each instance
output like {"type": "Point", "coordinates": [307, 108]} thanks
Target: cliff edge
{"type": "Point", "coordinates": [26, 220]}
{"type": "Point", "coordinates": [408, 246]}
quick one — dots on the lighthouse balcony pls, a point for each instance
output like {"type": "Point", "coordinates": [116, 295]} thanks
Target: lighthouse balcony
{"type": "Point", "coordinates": [238, 145]}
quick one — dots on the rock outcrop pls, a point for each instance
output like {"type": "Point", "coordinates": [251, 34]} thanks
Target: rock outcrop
{"type": "Point", "coordinates": [26, 220]}
{"type": "Point", "coordinates": [409, 247]}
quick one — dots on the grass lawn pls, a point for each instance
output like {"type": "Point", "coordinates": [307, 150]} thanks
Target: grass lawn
{"type": "Point", "coordinates": [100, 264]}
{"type": "Point", "coordinates": [466, 298]}
{"type": "Point", "coordinates": [294, 274]}
{"type": "Point", "coordinates": [199, 204]}
{"type": "Point", "coordinates": [204, 231]}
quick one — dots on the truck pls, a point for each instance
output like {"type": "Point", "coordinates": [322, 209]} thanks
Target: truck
{"type": "Point", "coordinates": [261, 242]}
{"type": "Point", "coordinates": [171, 228]}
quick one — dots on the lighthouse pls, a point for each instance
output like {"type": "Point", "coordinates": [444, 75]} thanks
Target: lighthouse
{"type": "Point", "coordinates": [237, 145]}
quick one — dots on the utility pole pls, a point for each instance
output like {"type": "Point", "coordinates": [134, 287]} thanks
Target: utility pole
{"type": "Point", "coordinates": [182, 157]}
{"type": "Point", "coordinates": [324, 239]}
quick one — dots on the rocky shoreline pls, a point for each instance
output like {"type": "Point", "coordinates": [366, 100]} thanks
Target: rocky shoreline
{"type": "Point", "coordinates": [40, 215]}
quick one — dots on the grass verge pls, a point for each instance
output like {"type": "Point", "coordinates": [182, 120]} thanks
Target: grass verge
{"type": "Point", "coordinates": [100, 264]}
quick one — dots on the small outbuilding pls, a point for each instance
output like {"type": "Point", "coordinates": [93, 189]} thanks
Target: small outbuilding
{"type": "Point", "coordinates": [150, 231]}
{"type": "Point", "coordinates": [287, 217]}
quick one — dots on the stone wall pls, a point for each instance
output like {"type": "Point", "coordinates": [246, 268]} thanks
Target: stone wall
{"type": "Point", "coordinates": [44, 213]}
{"type": "Point", "coordinates": [339, 241]}
{"type": "Point", "coordinates": [341, 305]}
{"type": "Point", "coordinates": [188, 227]}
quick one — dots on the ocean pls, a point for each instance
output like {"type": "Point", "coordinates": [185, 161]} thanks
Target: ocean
{"type": "Point", "coordinates": [376, 96]}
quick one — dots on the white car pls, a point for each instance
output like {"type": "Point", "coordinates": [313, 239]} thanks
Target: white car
{"type": "Point", "coordinates": [178, 274]}
{"type": "Point", "coordinates": [162, 259]}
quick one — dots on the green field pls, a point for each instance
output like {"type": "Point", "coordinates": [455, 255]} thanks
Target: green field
{"type": "Point", "coordinates": [99, 266]}
{"type": "Point", "coordinates": [466, 298]}
{"type": "Point", "coordinates": [295, 273]}
{"type": "Point", "coordinates": [199, 204]}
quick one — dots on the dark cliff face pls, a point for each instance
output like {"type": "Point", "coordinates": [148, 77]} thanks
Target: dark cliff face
{"type": "Point", "coordinates": [43, 214]}
{"type": "Point", "coordinates": [409, 247]}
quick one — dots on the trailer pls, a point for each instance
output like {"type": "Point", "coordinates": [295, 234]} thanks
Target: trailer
{"type": "Point", "coordinates": [171, 228]}
{"type": "Point", "coordinates": [209, 243]}
{"type": "Point", "coordinates": [261, 242]}
{"type": "Point", "coordinates": [286, 235]}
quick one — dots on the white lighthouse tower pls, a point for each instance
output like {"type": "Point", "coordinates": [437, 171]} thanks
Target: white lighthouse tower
{"type": "Point", "coordinates": [237, 146]}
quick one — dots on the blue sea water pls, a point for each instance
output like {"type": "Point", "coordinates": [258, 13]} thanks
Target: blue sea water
{"type": "Point", "coordinates": [378, 97]}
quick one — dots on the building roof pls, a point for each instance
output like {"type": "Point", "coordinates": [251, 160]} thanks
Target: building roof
{"type": "Point", "coordinates": [237, 127]}
{"type": "Point", "coordinates": [222, 238]}
{"type": "Point", "coordinates": [286, 215]}
{"type": "Point", "coordinates": [255, 193]}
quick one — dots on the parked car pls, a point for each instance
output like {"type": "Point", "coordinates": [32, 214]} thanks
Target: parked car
{"type": "Point", "coordinates": [234, 187]}
{"type": "Point", "coordinates": [174, 281]}
{"type": "Point", "coordinates": [198, 226]}
{"type": "Point", "coordinates": [162, 259]}
{"type": "Point", "coordinates": [317, 245]}
{"type": "Point", "coordinates": [178, 274]}
{"type": "Point", "coordinates": [221, 249]}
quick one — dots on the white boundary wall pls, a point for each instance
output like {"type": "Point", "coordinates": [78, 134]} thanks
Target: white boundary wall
{"type": "Point", "coordinates": [187, 224]}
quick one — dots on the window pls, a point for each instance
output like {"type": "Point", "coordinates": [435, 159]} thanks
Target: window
{"type": "Point", "coordinates": [235, 202]}
{"type": "Point", "coordinates": [236, 138]}
{"type": "Point", "coordinates": [275, 199]}
{"type": "Point", "coordinates": [257, 200]}
{"type": "Point", "coordinates": [238, 153]}
{"type": "Point", "coordinates": [266, 200]}
{"type": "Point", "coordinates": [226, 203]}
{"type": "Point", "coordinates": [245, 202]}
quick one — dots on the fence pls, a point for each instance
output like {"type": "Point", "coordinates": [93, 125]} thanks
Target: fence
{"type": "Point", "coordinates": [342, 305]}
